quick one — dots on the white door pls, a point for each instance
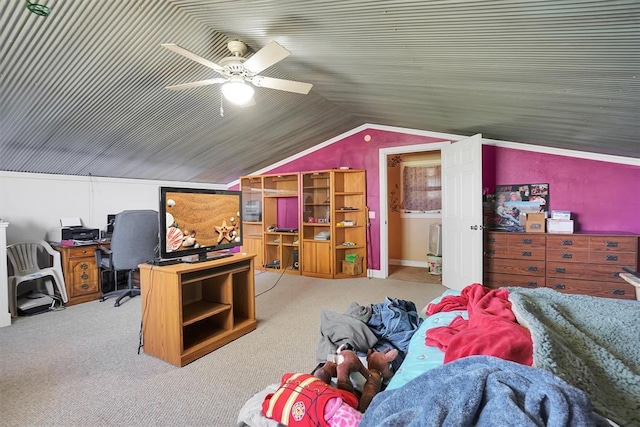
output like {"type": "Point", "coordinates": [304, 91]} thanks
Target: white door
{"type": "Point", "coordinates": [462, 213]}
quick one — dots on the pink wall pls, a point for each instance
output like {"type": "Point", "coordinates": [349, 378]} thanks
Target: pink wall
{"type": "Point", "coordinates": [602, 196]}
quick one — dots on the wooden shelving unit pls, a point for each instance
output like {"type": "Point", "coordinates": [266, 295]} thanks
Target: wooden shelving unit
{"type": "Point", "coordinates": [280, 199]}
{"type": "Point", "coordinates": [252, 225]}
{"type": "Point", "coordinates": [329, 203]}
{"type": "Point", "coordinates": [333, 205]}
{"type": "Point", "coordinates": [189, 310]}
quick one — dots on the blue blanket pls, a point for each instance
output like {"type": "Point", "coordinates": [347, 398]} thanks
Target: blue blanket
{"type": "Point", "coordinates": [483, 391]}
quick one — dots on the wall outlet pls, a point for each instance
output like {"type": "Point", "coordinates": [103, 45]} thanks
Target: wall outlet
{"type": "Point", "coordinates": [372, 214]}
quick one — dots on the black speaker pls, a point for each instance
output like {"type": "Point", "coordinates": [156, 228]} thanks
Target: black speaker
{"type": "Point", "coordinates": [296, 262]}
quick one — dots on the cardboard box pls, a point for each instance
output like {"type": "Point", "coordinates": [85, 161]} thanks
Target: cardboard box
{"type": "Point", "coordinates": [560, 226]}
{"type": "Point", "coordinates": [561, 215]}
{"type": "Point", "coordinates": [352, 268]}
{"type": "Point", "coordinates": [535, 222]}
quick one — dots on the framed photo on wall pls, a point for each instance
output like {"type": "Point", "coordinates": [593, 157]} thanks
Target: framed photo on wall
{"type": "Point", "coordinates": [509, 202]}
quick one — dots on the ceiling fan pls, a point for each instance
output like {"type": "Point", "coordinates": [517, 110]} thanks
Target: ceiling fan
{"type": "Point", "coordinates": [236, 71]}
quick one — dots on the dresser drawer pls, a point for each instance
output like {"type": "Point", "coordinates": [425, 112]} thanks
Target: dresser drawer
{"type": "Point", "coordinates": [81, 288]}
{"type": "Point", "coordinates": [497, 245]}
{"type": "Point", "coordinates": [604, 273]}
{"type": "Point", "coordinates": [514, 266]}
{"type": "Point", "coordinates": [614, 258]}
{"type": "Point", "coordinates": [497, 280]}
{"type": "Point", "coordinates": [567, 255]}
{"type": "Point", "coordinates": [567, 241]}
{"type": "Point", "coordinates": [613, 243]}
{"type": "Point", "coordinates": [497, 251]}
{"type": "Point", "coordinates": [527, 241]}
{"type": "Point", "coordinates": [597, 289]}
{"type": "Point", "coordinates": [527, 253]}
{"type": "Point", "coordinates": [80, 252]}
{"type": "Point", "coordinates": [499, 239]}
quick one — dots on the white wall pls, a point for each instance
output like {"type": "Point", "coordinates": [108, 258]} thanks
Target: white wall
{"type": "Point", "coordinates": [34, 203]}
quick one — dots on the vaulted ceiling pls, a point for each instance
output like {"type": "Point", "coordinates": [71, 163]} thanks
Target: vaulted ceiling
{"type": "Point", "coordinates": [82, 90]}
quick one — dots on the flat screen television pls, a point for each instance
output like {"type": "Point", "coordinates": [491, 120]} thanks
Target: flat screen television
{"type": "Point", "coordinates": [202, 222]}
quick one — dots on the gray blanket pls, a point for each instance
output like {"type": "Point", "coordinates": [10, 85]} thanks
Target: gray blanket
{"type": "Point", "coordinates": [592, 343]}
{"type": "Point", "coordinates": [483, 391]}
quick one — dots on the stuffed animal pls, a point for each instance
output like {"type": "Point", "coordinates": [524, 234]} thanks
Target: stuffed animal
{"type": "Point", "coordinates": [311, 400]}
{"type": "Point", "coordinates": [348, 362]}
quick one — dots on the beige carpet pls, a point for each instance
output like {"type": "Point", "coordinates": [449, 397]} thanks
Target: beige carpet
{"type": "Point", "coordinates": [80, 366]}
{"type": "Point", "coordinates": [413, 274]}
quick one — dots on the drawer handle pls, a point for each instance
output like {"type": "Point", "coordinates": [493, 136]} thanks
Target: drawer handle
{"type": "Point", "coordinates": [561, 270]}
{"type": "Point", "coordinates": [610, 244]}
{"type": "Point", "coordinates": [560, 286]}
{"type": "Point", "coordinates": [567, 256]}
{"type": "Point", "coordinates": [492, 251]}
{"type": "Point", "coordinates": [526, 253]}
{"type": "Point", "coordinates": [618, 291]}
{"type": "Point", "coordinates": [526, 241]}
{"type": "Point", "coordinates": [84, 276]}
{"type": "Point", "coordinates": [612, 257]}
{"type": "Point", "coordinates": [84, 286]}
{"type": "Point", "coordinates": [492, 239]}
{"type": "Point", "coordinates": [532, 268]}
{"type": "Point", "coordinates": [84, 266]}
{"type": "Point", "coordinates": [532, 284]}
{"type": "Point", "coordinates": [567, 243]}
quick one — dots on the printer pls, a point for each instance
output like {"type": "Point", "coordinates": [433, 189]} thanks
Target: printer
{"type": "Point", "coordinates": [74, 233]}
{"type": "Point", "coordinates": [72, 229]}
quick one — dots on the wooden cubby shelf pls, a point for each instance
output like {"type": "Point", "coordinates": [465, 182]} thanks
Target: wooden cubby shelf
{"type": "Point", "coordinates": [327, 199]}
{"type": "Point", "coordinates": [189, 310]}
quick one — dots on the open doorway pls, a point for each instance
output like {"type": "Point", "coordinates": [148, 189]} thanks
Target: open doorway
{"type": "Point", "coordinates": [407, 260]}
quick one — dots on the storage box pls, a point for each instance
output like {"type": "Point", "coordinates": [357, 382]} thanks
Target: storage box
{"type": "Point", "coordinates": [535, 222]}
{"type": "Point", "coordinates": [352, 268]}
{"type": "Point", "coordinates": [561, 215]}
{"type": "Point", "coordinates": [560, 226]}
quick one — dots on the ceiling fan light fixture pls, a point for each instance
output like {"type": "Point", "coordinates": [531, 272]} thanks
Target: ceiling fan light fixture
{"type": "Point", "coordinates": [237, 92]}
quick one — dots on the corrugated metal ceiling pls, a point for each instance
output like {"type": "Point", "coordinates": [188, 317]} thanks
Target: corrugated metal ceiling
{"type": "Point", "coordinates": [82, 90]}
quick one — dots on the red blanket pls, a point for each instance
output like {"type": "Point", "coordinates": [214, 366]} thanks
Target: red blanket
{"type": "Point", "coordinates": [492, 329]}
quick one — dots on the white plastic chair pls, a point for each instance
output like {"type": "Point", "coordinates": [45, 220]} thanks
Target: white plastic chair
{"type": "Point", "coordinates": [23, 258]}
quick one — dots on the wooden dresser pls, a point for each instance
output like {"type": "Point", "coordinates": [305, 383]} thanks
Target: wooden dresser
{"type": "Point", "coordinates": [81, 275]}
{"type": "Point", "coordinates": [580, 263]}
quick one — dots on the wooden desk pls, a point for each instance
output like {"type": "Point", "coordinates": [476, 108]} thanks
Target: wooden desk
{"type": "Point", "coordinates": [189, 310]}
{"type": "Point", "coordinates": [81, 273]}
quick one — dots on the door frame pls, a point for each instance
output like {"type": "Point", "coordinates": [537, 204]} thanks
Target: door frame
{"type": "Point", "coordinates": [383, 153]}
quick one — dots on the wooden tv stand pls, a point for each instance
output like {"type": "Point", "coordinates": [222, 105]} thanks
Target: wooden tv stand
{"type": "Point", "coordinates": [189, 310]}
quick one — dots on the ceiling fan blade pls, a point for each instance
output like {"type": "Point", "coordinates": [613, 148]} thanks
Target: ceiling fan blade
{"type": "Point", "coordinates": [280, 84]}
{"type": "Point", "coordinates": [196, 84]}
{"type": "Point", "coordinates": [192, 56]}
{"type": "Point", "coordinates": [266, 57]}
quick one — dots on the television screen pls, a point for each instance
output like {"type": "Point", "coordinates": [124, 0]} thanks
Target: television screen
{"type": "Point", "coordinates": [198, 222]}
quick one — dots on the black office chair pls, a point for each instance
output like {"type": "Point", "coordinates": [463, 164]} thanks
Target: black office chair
{"type": "Point", "coordinates": [134, 241]}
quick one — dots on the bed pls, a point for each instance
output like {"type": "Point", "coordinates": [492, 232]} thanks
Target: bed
{"type": "Point", "coordinates": [549, 359]}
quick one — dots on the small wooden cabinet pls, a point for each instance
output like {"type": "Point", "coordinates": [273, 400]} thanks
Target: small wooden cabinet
{"type": "Point", "coordinates": [81, 274]}
{"type": "Point", "coordinates": [189, 310]}
{"type": "Point", "coordinates": [581, 263]}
